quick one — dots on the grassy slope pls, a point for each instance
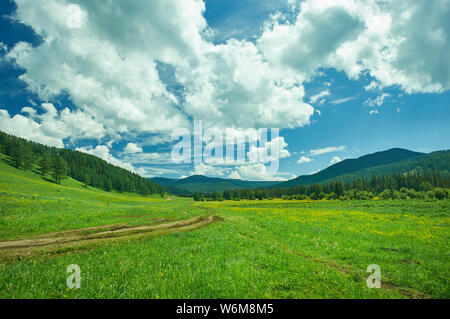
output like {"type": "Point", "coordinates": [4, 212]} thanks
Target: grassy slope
{"type": "Point", "coordinates": [262, 249]}
{"type": "Point", "coordinates": [31, 205]}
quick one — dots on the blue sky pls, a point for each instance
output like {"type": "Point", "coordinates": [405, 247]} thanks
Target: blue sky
{"type": "Point", "coordinates": [341, 79]}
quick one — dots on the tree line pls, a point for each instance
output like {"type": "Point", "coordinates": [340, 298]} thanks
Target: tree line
{"type": "Point", "coordinates": [432, 185]}
{"type": "Point", "coordinates": [62, 163]}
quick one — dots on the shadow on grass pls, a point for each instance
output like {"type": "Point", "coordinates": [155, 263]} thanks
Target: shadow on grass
{"type": "Point", "coordinates": [8, 160]}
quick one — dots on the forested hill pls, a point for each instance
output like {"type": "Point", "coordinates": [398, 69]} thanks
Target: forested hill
{"type": "Point", "coordinates": [204, 184]}
{"type": "Point", "coordinates": [388, 162]}
{"type": "Point", "coordinates": [392, 174]}
{"type": "Point", "coordinates": [60, 163]}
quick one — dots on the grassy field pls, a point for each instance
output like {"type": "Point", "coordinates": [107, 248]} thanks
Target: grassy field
{"type": "Point", "coordinates": [128, 246]}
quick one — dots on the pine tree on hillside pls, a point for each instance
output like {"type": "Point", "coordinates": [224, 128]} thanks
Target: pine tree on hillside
{"type": "Point", "coordinates": [45, 163]}
{"type": "Point", "coordinates": [28, 157]}
{"type": "Point", "coordinates": [19, 154]}
{"type": "Point", "coordinates": [144, 190]}
{"type": "Point", "coordinates": [108, 185]}
{"type": "Point", "coordinates": [86, 180]}
{"type": "Point", "coordinates": [60, 169]}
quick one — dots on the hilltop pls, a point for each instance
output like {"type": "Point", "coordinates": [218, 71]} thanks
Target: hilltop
{"type": "Point", "coordinates": [393, 161]}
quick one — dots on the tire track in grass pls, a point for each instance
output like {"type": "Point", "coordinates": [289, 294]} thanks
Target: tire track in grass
{"type": "Point", "coordinates": [99, 234]}
{"type": "Point", "coordinates": [343, 268]}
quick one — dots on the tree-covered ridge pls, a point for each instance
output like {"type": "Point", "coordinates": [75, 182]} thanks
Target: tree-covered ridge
{"type": "Point", "coordinates": [199, 183]}
{"type": "Point", "coordinates": [379, 163]}
{"type": "Point", "coordinates": [427, 163]}
{"type": "Point", "coordinates": [395, 173]}
{"type": "Point", "coordinates": [429, 185]}
{"type": "Point", "coordinates": [62, 163]}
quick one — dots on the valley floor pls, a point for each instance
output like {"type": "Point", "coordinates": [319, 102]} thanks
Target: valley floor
{"type": "Point", "coordinates": [128, 246]}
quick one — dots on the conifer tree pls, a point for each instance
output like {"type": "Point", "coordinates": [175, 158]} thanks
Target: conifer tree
{"type": "Point", "coordinates": [28, 157]}
{"type": "Point", "coordinates": [60, 169]}
{"type": "Point", "coordinates": [86, 180]}
{"type": "Point", "coordinates": [108, 185]}
{"type": "Point", "coordinates": [45, 163]}
{"type": "Point", "coordinates": [19, 154]}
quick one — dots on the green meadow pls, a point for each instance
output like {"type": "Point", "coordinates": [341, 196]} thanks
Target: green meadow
{"type": "Point", "coordinates": [130, 246]}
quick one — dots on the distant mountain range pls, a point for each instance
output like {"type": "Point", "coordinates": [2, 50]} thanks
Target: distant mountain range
{"type": "Point", "coordinates": [393, 161]}
{"type": "Point", "coordinates": [203, 184]}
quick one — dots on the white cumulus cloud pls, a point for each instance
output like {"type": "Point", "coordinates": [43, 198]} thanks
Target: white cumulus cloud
{"type": "Point", "coordinates": [108, 64]}
{"type": "Point", "coordinates": [254, 172]}
{"type": "Point", "coordinates": [132, 148]}
{"type": "Point", "coordinates": [108, 59]}
{"type": "Point", "coordinates": [103, 152]}
{"type": "Point", "coordinates": [335, 160]}
{"type": "Point", "coordinates": [274, 150]}
{"type": "Point", "coordinates": [326, 150]}
{"type": "Point", "coordinates": [402, 42]}
{"type": "Point", "coordinates": [51, 126]}
{"type": "Point", "coordinates": [304, 159]}
{"type": "Point", "coordinates": [205, 169]}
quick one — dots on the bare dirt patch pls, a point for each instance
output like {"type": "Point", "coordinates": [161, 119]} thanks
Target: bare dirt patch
{"type": "Point", "coordinates": [131, 216]}
{"type": "Point", "coordinates": [408, 292]}
{"type": "Point", "coordinates": [394, 250]}
{"type": "Point", "coordinates": [409, 261]}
